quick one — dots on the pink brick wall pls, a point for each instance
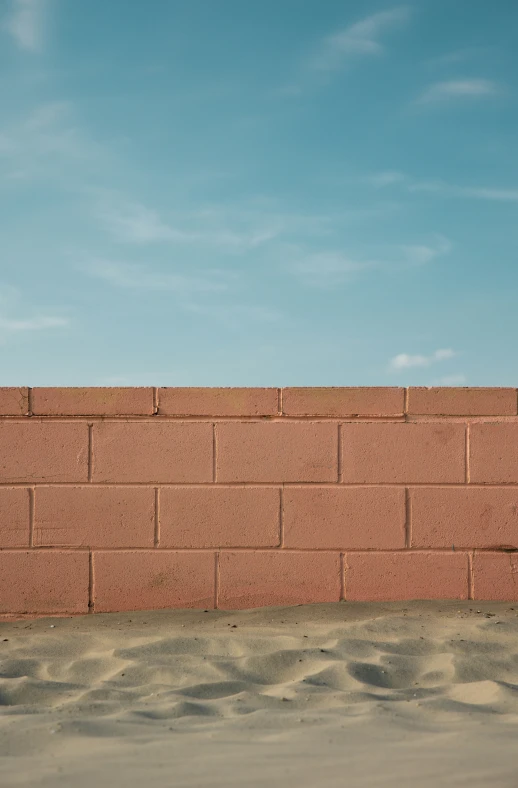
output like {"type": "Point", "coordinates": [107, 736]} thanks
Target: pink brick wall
{"type": "Point", "coordinates": [125, 498]}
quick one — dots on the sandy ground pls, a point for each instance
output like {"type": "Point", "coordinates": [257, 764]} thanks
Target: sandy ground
{"type": "Point", "coordinates": [412, 694]}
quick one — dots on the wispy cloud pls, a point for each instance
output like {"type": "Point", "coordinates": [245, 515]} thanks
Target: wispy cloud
{"type": "Point", "coordinates": [456, 56]}
{"type": "Point", "coordinates": [11, 305]}
{"type": "Point", "coordinates": [190, 290]}
{"type": "Point", "coordinates": [360, 39]}
{"type": "Point", "coordinates": [9, 295]}
{"type": "Point", "coordinates": [406, 361]}
{"type": "Point", "coordinates": [326, 269]}
{"type": "Point", "coordinates": [139, 277]}
{"type": "Point", "coordinates": [134, 223]}
{"type": "Point", "coordinates": [383, 180]}
{"type": "Point", "coordinates": [49, 142]}
{"type": "Point", "coordinates": [231, 228]}
{"type": "Point", "coordinates": [231, 313]}
{"type": "Point", "coordinates": [442, 92]}
{"type": "Point", "coordinates": [25, 23]}
{"type": "Point", "coordinates": [421, 254]}
{"type": "Point", "coordinates": [473, 192]}
{"type": "Point", "coordinates": [32, 324]}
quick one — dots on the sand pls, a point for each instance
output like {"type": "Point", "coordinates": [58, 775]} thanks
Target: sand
{"type": "Point", "coordinates": [411, 694]}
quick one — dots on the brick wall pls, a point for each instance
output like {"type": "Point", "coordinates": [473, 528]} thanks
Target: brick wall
{"type": "Point", "coordinates": [124, 498]}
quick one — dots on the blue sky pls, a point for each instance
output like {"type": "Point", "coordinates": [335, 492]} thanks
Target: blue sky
{"type": "Point", "coordinates": [226, 193]}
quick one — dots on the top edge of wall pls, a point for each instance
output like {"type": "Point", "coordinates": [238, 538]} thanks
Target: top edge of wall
{"type": "Point", "coordinates": [221, 402]}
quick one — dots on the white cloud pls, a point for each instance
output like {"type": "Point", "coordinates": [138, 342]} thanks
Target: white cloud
{"type": "Point", "coordinates": [11, 304]}
{"type": "Point", "coordinates": [494, 194]}
{"type": "Point", "coordinates": [47, 115]}
{"type": "Point", "coordinates": [325, 269]}
{"type": "Point", "coordinates": [231, 313]}
{"type": "Point", "coordinates": [406, 361]}
{"type": "Point", "coordinates": [387, 179]}
{"type": "Point", "coordinates": [483, 193]}
{"type": "Point", "coordinates": [461, 88]}
{"type": "Point", "coordinates": [441, 355]}
{"type": "Point", "coordinates": [48, 142]}
{"type": "Point", "coordinates": [360, 39]}
{"type": "Point", "coordinates": [134, 223]}
{"type": "Point", "coordinates": [420, 254]}
{"type": "Point", "coordinates": [328, 268]}
{"type": "Point", "coordinates": [232, 228]}
{"type": "Point", "coordinates": [456, 56]}
{"type": "Point", "coordinates": [138, 277]}
{"type": "Point", "coordinates": [9, 295]}
{"type": "Point", "coordinates": [25, 23]}
{"type": "Point", "coordinates": [32, 324]}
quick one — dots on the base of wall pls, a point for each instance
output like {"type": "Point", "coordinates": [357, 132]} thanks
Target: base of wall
{"type": "Point", "coordinates": [75, 582]}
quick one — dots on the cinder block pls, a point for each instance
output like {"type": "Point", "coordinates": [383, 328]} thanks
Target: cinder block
{"type": "Point", "coordinates": [343, 401]}
{"type": "Point", "coordinates": [219, 517]}
{"type": "Point", "coordinates": [403, 453]}
{"type": "Point", "coordinates": [92, 401]}
{"type": "Point", "coordinates": [493, 454]}
{"type": "Point", "coordinates": [14, 517]}
{"type": "Point", "coordinates": [344, 517]}
{"type": "Point", "coordinates": [438, 401]}
{"type": "Point", "coordinates": [277, 577]}
{"type": "Point", "coordinates": [385, 577]}
{"type": "Point", "coordinates": [44, 581]}
{"type": "Point", "coordinates": [35, 451]}
{"type": "Point", "coordinates": [464, 517]}
{"type": "Point", "coordinates": [14, 401]}
{"type": "Point", "coordinates": [495, 576]}
{"type": "Point", "coordinates": [94, 517]}
{"type": "Point", "coordinates": [152, 579]}
{"type": "Point", "coordinates": [218, 402]}
{"type": "Point", "coordinates": [277, 452]}
{"type": "Point", "coordinates": [152, 452]}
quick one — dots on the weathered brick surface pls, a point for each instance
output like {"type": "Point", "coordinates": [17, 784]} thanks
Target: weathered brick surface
{"type": "Point", "coordinates": [407, 575]}
{"type": "Point", "coordinates": [43, 451]}
{"type": "Point", "coordinates": [152, 452]}
{"type": "Point", "coordinates": [462, 401]}
{"type": "Point", "coordinates": [217, 402]}
{"type": "Point", "coordinates": [109, 401]}
{"type": "Point", "coordinates": [43, 581]}
{"type": "Point", "coordinates": [495, 576]}
{"type": "Point", "coordinates": [14, 517]}
{"type": "Point", "coordinates": [94, 517]}
{"type": "Point", "coordinates": [152, 579]}
{"type": "Point", "coordinates": [255, 579]}
{"type": "Point", "coordinates": [14, 400]}
{"type": "Point", "coordinates": [403, 453]}
{"type": "Point", "coordinates": [276, 452]}
{"type": "Point", "coordinates": [219, 517]}
{"type": "Point", "coordinates": [464, 517]}
{"type": "Point", "coordinates": [343, 401]}
{"type": "Point", "coordinates": [493, 454]}
{"type": "Point", "coordinates": [344, 517]}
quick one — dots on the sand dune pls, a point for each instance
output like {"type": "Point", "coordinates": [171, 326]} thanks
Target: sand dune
{"type": "Point", "coordinates": [328, 695]}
